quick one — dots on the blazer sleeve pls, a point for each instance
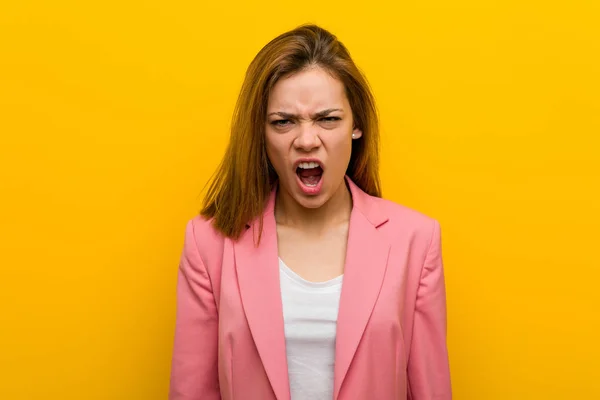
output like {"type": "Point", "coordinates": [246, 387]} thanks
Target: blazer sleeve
{"type": "Point", "coordinates": [194, 371]}
{"type": "Point", "coordinates": [428, 367]}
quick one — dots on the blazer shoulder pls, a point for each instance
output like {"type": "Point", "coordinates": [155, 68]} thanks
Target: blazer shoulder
{"type": "Point", "coordinates": [203, 227]}
{"type": "Point", "coordinates": [202, 234]}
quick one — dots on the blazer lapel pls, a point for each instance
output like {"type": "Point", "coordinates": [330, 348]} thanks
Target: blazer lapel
{"type": "Point", "coordinates": [258, 276]}
{"type": "Point", "coordinates": [366, 262]}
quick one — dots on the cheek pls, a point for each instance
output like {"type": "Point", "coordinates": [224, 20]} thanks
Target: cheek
{"type": "Point", "coordinates": [343, 146]}
{"type": "Point", "coordinates": [275, 151]}
{"type": "Point", "coordinates": [340, 151]}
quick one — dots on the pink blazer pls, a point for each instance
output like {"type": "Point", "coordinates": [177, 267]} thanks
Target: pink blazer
{"type": "Point", "coordinates": [391, 330]}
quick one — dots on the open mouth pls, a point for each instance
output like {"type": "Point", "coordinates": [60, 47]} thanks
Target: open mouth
{"type": "Point", "coordinates": [310, 173]}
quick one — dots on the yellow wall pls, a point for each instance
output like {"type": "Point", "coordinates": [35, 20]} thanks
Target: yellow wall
{"type": "Point", "coordinates": [113, 115]}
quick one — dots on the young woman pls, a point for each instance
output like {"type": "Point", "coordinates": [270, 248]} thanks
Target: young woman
{"type": "Point", "coordinates": [298, 281]}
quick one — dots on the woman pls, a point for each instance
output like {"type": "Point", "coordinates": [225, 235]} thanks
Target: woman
{"type": "Point", "coordinates": [298, 281]}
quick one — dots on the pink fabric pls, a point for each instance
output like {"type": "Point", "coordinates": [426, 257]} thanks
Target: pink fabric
{"type": "Point", "coordinates": [391, 335]}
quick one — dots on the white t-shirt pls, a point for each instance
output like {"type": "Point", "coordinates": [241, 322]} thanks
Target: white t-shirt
{"type": "Point", "coordinates": [310, 311]}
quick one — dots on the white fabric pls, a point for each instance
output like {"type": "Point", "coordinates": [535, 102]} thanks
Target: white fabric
{"type": "Point", "coordinates": [310, 311]}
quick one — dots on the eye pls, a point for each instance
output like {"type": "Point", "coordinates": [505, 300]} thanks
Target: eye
{"type": "Point", "coordinates": [281, 122]}
{"type": "Point", "coordinates": [330, 119]}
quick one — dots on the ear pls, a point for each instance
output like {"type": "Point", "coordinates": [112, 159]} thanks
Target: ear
{"type": "Point", "coordinates": [356, 133]}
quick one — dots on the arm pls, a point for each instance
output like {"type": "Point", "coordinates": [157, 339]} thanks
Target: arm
{"type": "Point", "coordinates": [194, 372]}
{"type": "Point", "coordinates": [428, 369]}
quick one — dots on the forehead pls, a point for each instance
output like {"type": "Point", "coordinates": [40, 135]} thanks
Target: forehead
{"type": "Point", "coordinates": [308, 91]}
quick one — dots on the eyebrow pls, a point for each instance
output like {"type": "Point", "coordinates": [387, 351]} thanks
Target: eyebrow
{"type": "Point", "coordinates": [319, 114]}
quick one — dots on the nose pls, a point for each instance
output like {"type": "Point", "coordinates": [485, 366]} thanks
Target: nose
{"type": "Point", "coordinates": [308, 137]}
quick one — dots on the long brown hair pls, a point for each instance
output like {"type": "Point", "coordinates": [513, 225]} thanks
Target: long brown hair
{"type": "Point", "coordinates": [241, 185]}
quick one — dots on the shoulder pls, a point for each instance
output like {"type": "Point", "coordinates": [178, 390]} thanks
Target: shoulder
{"type": "Point", "coordinates": [203, 229]}
{"type": "Point", "coordinates": [202, 236]}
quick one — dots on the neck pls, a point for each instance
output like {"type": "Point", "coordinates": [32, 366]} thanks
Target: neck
{"type": "Point", "coordinates": [314, 220]}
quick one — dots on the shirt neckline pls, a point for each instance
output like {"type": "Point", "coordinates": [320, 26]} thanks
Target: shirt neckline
{"type": "Point", "coordinates": [310, 284]}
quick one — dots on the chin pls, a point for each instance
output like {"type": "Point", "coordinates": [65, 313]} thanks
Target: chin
{"type": "Point", "coordinates": [311, 202]}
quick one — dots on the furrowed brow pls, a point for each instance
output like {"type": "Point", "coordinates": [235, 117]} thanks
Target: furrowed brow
{"type": "Point", "coordinates": [317, 115]}
{"type": "Point", "coordinates": [283, 115]}
{"type": "Point", "coordinates": [325, 113]}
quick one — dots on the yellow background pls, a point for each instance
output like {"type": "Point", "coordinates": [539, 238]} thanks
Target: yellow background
{"type": "Point", "coordinates": [114, 114]}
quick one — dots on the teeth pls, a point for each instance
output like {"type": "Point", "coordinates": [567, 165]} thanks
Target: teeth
{"type": "Point", "coordinates": [308, 165]}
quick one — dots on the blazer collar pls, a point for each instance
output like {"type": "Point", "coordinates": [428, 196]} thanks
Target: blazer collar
{"type": "Point", "coordinates": [258, 277]}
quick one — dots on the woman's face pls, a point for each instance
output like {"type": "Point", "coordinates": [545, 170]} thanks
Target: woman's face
{"type": "Point", "coordinates": [309, 135]}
